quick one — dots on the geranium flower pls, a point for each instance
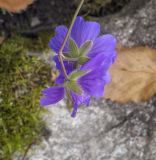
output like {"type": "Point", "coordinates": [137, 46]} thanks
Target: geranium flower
{"type": "Point", "coordinates": [89, 72]}
{"type": "Point", "coordinates": [83, 31]}
{"type": "Point", "coordinates": [54, 94]}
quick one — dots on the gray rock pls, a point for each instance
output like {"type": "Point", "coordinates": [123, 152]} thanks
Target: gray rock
{"type": "Point", "coordinates": [35, 21]}
{"type": "Point", "coordinates": [134, 25]}
{"type": "Point", "coordinates": [103, 131]}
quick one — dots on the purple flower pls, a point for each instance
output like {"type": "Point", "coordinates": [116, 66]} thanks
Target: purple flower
{"type": "Point", "coordinates": [54, 94]}
{"type": "Point", "coordinates": [98, 54]}
{"type": "Point", "coordinates": [82, 32]}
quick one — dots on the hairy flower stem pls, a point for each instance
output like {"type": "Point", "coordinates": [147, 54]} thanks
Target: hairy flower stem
{"type": "Point", "coordinates": [66, 38]}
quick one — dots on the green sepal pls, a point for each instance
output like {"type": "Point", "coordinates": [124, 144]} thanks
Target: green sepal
{"type": "Point", "coordinates": [72, 85]}
{"type": "Point", "coordinates": [75, 75]}
{"type": "Point", "coordinates": [74, 50]}
{"type": "Point", "coordinates": [85, 48]}
{"type": "Point", "coordinates": [83, 60]}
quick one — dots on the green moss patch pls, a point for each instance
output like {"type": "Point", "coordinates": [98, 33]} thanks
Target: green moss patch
{"type": "Point", "coordinates": [21, 80]}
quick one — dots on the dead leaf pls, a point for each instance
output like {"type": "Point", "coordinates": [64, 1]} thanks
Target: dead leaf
{"type": "Point", "coordinates": [14, 5]}
{"type": "Point", "coordinates": [133, 75]}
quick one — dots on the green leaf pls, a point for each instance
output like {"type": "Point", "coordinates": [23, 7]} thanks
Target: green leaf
{"type": "Point", "coordinates": [85, 48]}
{"type": "Point", "coordinates": [83, 60]}
{"type": "Point", "coordinates": [72, 85]}
{"type": "Point", "coordinates": [75, 75]}
{"type": "Point", "coordinates": [74, 51]}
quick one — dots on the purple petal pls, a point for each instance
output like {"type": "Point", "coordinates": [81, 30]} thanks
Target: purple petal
{"type": "Point", "coordinates": [83, 31]}
{"type": "Point", "coordinates": [60, 79]}
{"type": "Point", "coordinates": [52, 95]}
{"type": "Point", "coordinates": [78, 100]}
{"type": "Point", "coordinates": [103, 45]}
{"type": "Point", "coordinates": [75, 107]}
{"type": "Point", "coordinates": [101, 60]}
{"type": "Point", "coordinates": [82, 99]}
{"type": "Point", "coordinates": [56, 42]}
{"type": "Point", "coordinates": [93, 82]}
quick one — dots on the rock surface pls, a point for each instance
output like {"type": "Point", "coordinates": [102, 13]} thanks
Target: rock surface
{"type": "Point", "coordinates": [134, 25]}
{"type": "Point", "coordinates": [103, 131]}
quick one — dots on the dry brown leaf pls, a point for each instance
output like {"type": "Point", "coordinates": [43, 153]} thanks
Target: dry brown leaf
{"type": "Point", "coordinates": [14, 5]}
{"type": "Point", "coordinates": [133, 75]}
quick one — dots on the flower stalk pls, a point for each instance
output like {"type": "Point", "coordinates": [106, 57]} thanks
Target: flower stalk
{"type": "Point", "coordinates": [60, 54]}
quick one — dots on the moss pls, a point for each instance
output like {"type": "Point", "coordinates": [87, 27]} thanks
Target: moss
{"type": "Point", "coordinates": [21, 79]}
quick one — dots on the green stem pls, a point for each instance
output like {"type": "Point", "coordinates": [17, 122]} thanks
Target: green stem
{"type": "Point", "coordinates": [66, 38]}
